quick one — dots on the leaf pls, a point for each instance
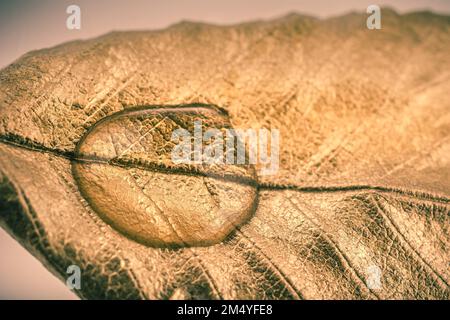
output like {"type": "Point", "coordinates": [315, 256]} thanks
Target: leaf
{"type": "Point", "coordinates": [364, 160]}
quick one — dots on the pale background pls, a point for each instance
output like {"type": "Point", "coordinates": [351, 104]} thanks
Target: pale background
{"type": "Point", "coordinates": [31, 24]}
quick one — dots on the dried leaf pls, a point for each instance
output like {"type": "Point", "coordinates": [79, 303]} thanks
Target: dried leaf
{"type": "Point", "coordinates": [363, 185]}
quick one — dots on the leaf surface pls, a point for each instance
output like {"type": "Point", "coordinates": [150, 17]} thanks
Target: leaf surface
{"type": "Point", "coordinates": [363, 183]}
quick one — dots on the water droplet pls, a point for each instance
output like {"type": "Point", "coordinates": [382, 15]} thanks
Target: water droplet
{"type": "Point", "coordinates": [124, 170]}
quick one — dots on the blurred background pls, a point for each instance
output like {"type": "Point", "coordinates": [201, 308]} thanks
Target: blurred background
{"type": "Point", "coordinates": [35, 24]}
